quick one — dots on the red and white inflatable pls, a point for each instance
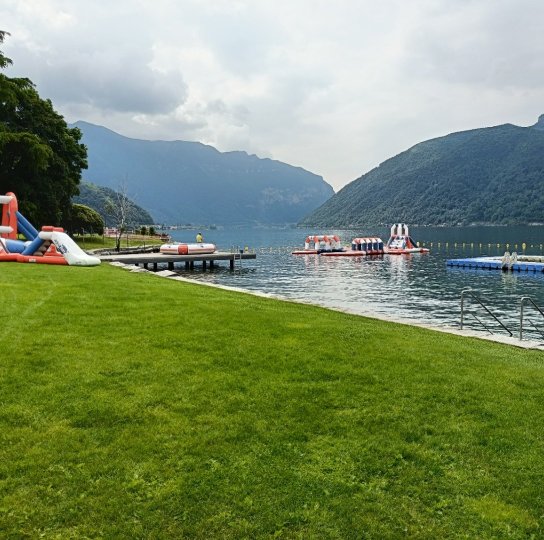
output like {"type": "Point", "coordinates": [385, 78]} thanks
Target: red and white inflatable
{"type": "Point", "coordinates": [359, 247]}
{"type": "Point", "coordinates": [320, 243]}
{"type": "Point", "coordinates": [400, 241]}
{"type": "Point", "coordinates": [187, 249]}
{"type": "Point", "coordinates": [51, 245]}
{"type": "Point", "coordinates": [371, 245]}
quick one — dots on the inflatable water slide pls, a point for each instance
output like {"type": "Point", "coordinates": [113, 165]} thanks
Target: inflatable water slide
{"type": "Point", "coordinates": [400, 242]}
{"type": "Point", "coordinates": [51, 245]}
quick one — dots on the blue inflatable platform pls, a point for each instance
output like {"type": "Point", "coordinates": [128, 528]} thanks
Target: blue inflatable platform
{"type": "Point", "coordinates": [498, 263]}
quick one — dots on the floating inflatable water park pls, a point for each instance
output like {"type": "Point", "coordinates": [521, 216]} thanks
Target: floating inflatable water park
{"type": "Point", "coordinates": [329, 245]}
{"type": "Point", "coordinates": [400, 242]}
{"type": "Point", "coordinates": [51, 245]}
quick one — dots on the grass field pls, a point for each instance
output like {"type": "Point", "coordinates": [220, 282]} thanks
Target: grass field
{"type": "Point", "coordinates": [137, 407]}
{"type": "Point", "coordinates": [90, 242]}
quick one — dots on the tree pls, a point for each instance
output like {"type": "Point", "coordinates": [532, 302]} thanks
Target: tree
{"type": "Point", "coordinates": [120, 210]}
{"type": "Point", "coordinates": [4, 60]}
{"type": "Point", "coordinates": [96, 196]}
{"type": "Point", "coordinates": [40, 157]}
{"type": "Point", "coordinates": [86, 219]}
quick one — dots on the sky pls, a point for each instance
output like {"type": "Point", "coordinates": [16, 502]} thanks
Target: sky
{"type": "Point", "coordinates": [335, 87]}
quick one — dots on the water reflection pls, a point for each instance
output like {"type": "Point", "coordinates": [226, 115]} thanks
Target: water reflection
{"type": "Point", "coordinates": [416, 287]}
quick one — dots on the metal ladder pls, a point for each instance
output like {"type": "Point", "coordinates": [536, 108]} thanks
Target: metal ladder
{"type": "Point", "coordinates": [528, 300]}
{"type": "Point", "coordinates": [237, 256]}
{"type": "Point", "coordinates": [525, 300]}
{"type": "Point", "coordinates": [472, 294]}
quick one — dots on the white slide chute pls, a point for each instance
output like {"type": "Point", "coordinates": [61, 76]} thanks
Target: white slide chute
{"type": "Point", "coordinates": [73, 254]}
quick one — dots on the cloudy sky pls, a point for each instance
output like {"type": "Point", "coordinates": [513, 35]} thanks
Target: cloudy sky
{"type": "Point", "coordinates": [335, 87]}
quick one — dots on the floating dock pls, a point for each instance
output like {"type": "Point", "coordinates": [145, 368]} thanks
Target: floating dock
{"type": "Point", "coordinates": [155, 259]}
{"type": "Point", "coordinates": [497, 263]}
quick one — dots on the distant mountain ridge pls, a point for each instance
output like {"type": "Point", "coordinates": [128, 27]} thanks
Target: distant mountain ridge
{"type": "Point", "coordinates": [491, 175]}
{"type": "Point", "coordinates": [189, 182]}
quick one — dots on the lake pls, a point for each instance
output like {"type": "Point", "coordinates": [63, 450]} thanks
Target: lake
{"type": "Point", "coordinates": [413, 288]}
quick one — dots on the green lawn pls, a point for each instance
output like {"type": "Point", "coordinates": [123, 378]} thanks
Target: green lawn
{"type": "Point", "coordinates": [89, 242]}
{"type": "Point", "coordinates": [138, 407]}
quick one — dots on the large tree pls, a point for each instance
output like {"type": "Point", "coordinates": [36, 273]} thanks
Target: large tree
{"type": "Point", "coordinates": [40, 156]}
{"type": "Point", "coordinates": [86, 220]}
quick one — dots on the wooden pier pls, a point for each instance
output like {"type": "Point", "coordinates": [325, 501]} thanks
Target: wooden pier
{"type": "Point", "coordinates": [153, 260]}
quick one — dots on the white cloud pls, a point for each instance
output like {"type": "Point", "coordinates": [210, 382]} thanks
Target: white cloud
{"type": "Point", "coordinates": [333, 87]}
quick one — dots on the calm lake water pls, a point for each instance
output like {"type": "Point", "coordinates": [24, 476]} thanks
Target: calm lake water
{"type": "Point", "coordinates": [414, 288]}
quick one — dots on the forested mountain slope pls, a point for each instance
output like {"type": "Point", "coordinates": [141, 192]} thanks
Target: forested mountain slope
{"type": "Point", "coordinates": [491, 175]}
{"type": "Point", "coordinates": [189, 182]}
{"type": "Point", "coordinates": [96, 197]}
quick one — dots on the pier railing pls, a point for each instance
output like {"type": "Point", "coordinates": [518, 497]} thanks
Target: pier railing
{"type": "Point", "coordinates": [472, 294]}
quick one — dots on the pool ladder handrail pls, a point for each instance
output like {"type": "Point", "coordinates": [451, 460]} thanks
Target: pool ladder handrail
{"type": "Point", "coordinates": [471, 293]}
{"type": "Point", "coordinates": [528, 300]}
{"type": "Point", "coordinates": [237, 255]}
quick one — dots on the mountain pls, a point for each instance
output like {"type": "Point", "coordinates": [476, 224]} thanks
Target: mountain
{"type": "Point", "coordinates": [491, 175]}
{"type": "Point", "coordinates": [189, 182]}
{"type": "Point", "coordinates": [96, 196]}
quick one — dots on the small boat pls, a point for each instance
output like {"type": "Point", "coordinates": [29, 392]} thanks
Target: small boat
{"type": "Point", "coordinates": [320, 243]}
{"type": "Point", "coordinates": [187, 249]}
{"type": "Point", "coordinates": [400, 241]}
